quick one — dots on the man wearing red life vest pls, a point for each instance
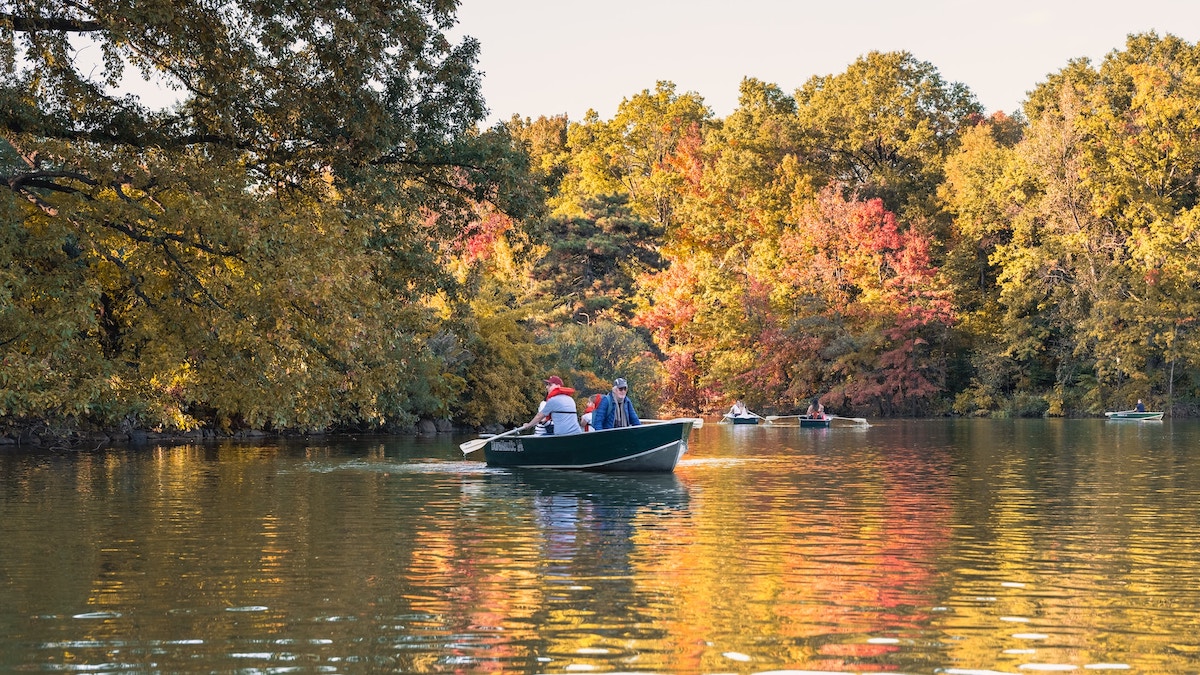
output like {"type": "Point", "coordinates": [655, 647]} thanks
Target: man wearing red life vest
{"type": "Point", "coordinates": [559, 409]}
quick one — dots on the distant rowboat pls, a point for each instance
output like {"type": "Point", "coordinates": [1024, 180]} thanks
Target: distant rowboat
{"type": "Point", "coordinates": [742, 420]}
{"type": "Point", "coordinates": [806, 422]}
{"type": "Point", "coordinates": [1134, 416]}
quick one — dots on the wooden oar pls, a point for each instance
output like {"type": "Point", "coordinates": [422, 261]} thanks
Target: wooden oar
{"type": "Point", "coordinates": [696, 423]}
{"type": "Point", "coordinates": [772, 418]}
{"type": "Point", "coordinates": [477, 443]}
{"type": "Point", "coordinates": [857, 420]}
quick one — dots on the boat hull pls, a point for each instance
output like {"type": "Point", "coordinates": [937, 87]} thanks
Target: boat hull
{"type": "Point", "coordinates": [743, 420]}
{"type": "Point", "coordinates": [806, 423]}
{"type": "Point", "coordinates": [1135, 416]}
{"type": "Point", "coordinates": [648, 448]}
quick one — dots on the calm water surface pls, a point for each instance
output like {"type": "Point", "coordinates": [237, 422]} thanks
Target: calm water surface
{"type": "Point", "coordinates": [910, 547]}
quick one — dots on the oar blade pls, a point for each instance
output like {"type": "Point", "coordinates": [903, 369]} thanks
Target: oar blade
{"type": "Point", "coordinates": [473, 445]}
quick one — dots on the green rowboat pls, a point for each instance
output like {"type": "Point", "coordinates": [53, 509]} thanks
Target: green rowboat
{"type": "Point", "coordinates": [806, 423]}
{"type": "Point", "coordinates": [1134, 415]}
{"type": "Point", "coordinates": [652, 447]}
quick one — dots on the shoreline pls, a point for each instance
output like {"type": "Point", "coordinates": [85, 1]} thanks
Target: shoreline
{"type": "Point", "coordinates": [41, 436]}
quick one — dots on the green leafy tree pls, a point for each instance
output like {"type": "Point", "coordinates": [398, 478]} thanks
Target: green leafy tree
{"type": "Point", "coordinates": [884, 127]}
{"type": "Point", "coordinates": [1143, 159]}
{"type": "Point", "coordinates": [594, 258]}
{"type": "Point", "coordinates": [258, 254]}
{"type": "Point", "coordinates": [545, 142]}
{"type": "Point", "coordinates": [1082, 223]}
{"type": "Point", "coordinates": [629, 153]}
{"type": "Point", "coordinates": [981, 177]}
{"type": "Point", "coordinates": [1058, 260]}
{"type": "Point", "coordinates": [589, 356]}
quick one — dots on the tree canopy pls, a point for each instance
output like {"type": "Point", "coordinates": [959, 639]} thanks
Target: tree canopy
{"type": "Point", "coordinates": [318, 234]}
{"type": "Point", "coordinates": [258, 253]}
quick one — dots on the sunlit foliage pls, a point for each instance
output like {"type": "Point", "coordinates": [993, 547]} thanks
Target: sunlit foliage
{"type": "Point", "coordinates": [257, 255]}
{"type": "Point", "coordinates": [319, 236]}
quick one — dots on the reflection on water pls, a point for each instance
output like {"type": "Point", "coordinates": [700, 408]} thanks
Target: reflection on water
{"type": "Point", "coordinates": [910, 547]}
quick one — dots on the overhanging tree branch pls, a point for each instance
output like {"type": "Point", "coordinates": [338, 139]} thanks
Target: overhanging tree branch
{"type": "Point", "coordinates": [26, 24]}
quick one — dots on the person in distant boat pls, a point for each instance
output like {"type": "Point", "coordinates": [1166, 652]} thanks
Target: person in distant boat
{"type": "Point", "coordinates": [615, 409]}
{"type": "Point", "coordinates": [738, 409]}
{"type": "Point", "coordinates": [816, 411]}
{"type": "Point", "coordinates": [1140, 407]}
{"type": "Point", "coordinates": [559, 410]}
{"type": "Point", "coordinates": [585, 420]}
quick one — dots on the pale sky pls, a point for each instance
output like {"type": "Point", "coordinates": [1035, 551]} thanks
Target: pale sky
{"type": "Point", "coordinates": [547, 57]}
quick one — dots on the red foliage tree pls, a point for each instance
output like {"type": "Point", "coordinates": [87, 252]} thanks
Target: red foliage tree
{"type": "Point", "coordinates": [874, 305]}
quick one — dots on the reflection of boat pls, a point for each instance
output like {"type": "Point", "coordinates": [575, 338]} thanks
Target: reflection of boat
{"type": "Point", "coordinates": [648, 447]}
{"type": "Point", "coordinates": [589, 529]}
{"type": "Point", "coordinates": [1134, 415]}
{"type": "Point", "coordinates": [602, 489]}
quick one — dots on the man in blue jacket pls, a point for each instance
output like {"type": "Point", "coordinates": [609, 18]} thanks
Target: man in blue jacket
{"type": "Point", "coordinates": [615, 409]}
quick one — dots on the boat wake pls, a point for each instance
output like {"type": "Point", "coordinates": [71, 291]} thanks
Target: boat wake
{"type": "Point", "coordinates": [433, 467]}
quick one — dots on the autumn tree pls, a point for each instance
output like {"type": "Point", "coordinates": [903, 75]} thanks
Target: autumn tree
{"type": "Point", "coordinates": [257, 254]}
{"type": "Point", "coordinates": [734, 192]}
{"type": "Point", "coordinates": [1086, 221]}
{"type": "Point", "coordinates": [865, 311]}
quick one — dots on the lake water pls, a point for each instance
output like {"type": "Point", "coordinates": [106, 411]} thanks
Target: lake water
{"type": "Point", "coordinates": [909, 547]}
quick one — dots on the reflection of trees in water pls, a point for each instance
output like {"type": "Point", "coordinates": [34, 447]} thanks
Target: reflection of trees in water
{"type": "Point", "coordinates": [806, 555]}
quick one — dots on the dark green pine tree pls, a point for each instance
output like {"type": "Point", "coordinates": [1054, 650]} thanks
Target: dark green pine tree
{"type": "Point", "coordinates": [595, 258]}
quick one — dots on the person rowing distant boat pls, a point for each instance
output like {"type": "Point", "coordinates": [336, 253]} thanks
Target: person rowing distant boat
{"type": "Point", "coordinates": [816, 411]}
{"type": "Point", "coordinates": [739, 409]}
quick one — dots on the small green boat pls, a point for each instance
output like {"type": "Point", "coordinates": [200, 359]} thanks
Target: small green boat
{"type": "Point", "coordinates": [742, 420]}
{"type": "Point", "coordinates": [1133, 415]}
{"type": "Point", "coordinates": [652, 447]}
{"type": "Point", "coordinates": [804, 422]}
